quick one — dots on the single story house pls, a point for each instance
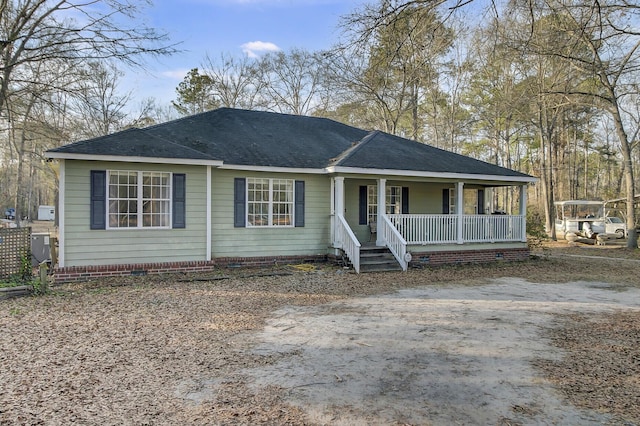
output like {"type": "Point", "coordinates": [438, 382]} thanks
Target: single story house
{"type": "Point", "coordinates": [237, 187]}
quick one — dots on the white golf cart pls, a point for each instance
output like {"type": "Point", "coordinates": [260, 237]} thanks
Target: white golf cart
{"type": "Point", "coordinates": [583, 217]}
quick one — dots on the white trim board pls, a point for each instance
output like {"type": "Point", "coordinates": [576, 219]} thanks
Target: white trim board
{"type": "Point", "coordinates": [437, 175]}
{"type": "Point", "coordinates": [295, 170]}
{"type": "Point", "coordinates": [124, 159]}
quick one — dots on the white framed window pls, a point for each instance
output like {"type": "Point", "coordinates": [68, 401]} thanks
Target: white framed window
{"type": "Point", "coordinates": [138, 199]}
{"type": "Point", "coordinates": [469, 199]}
{"type": "Point", "coordinates": [372, 203]}
{"type": "Point", "coordinates": [393, 201]}
{"type": "Point", "coordinates": [270, 202]}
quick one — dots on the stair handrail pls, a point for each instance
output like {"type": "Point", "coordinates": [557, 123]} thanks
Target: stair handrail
{"type": "Point", "coordinates": [348, 242]}
{"type": "Point", "coordinates": [395, 241]}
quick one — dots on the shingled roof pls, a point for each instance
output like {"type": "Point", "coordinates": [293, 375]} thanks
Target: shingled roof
{"type": "Point", "coordinates": [259, 138]}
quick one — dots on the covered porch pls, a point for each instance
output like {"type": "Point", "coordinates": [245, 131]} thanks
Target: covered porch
{"type": "Point", "coordinates": [415, 216]}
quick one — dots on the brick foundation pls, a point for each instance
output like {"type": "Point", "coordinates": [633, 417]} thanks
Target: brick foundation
{"type": "Point", "coordinates": [84, 273]}
{"type": "Point", "coordinates": [469, 256]}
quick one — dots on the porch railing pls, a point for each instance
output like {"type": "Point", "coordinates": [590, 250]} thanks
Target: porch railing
{"type": "Point", "coordinates": [422, 229]}
{"type": "Point", "coordinates": [395, 242]}
{"type": "Point", "coordinates": [492, 228]}
{"type": "Point", "coordinates": [426, 228]}
{"type": "Point", "coordinates": [347, 241]}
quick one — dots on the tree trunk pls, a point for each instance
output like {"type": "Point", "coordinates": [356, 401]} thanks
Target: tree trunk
{"type": "Point", "coordinates": [546, 191]}
{"type": "Point", "coordinates": [20, 153]}
{"type": "Point", "coordinates": [414, 112]}
{"type": "Point", "coordinates": [19, 185]}
{"type": "Point", "coordinates": [632, 240]}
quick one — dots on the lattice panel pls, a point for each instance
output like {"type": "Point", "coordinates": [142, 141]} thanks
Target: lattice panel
{"type": "Point", "coordinates": [15, 243]}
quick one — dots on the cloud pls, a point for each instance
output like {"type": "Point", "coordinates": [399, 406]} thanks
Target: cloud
{"type": "Point", "coordinates": [254, 48]}
{"type": "Point", "coordinates": [177, 74]}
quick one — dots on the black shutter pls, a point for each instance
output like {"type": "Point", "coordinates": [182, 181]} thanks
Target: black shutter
{"type": "Point", "coordinates": [362, 206]}
{"type": "Point", "coordinates": [98, 209]}
{"type": "Point", "coordinates": [299, 206]}
{"type": "Point", "coordinates": [480, 201]}
{"type": "Point", "coordinates": [445, 201]}
{"type": "Point", "coordinates": [405, 200]}
{"type": "Point", "coordinates": [179, 200]}
{"type": "Point", "coordinates": [239, 202]}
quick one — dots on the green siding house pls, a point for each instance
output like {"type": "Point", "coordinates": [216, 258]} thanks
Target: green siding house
{"type": "Point", "coordinates": [237, 187]}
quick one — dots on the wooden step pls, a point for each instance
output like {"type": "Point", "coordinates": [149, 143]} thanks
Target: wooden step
{"type": "Point", "coordinates": [380, 267]}
{"type": "Point", "coordinates": [377, 259]}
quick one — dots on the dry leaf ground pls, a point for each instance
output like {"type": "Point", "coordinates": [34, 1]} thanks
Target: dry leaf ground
{"type": "Point", "coordinates": [174, 349]}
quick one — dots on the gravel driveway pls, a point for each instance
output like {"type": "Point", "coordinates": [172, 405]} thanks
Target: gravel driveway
{"type": "Point", "coordinates": [291, 347]}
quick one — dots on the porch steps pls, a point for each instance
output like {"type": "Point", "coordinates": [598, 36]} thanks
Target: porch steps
{"type": "Point", "coordinates": [377, 259]}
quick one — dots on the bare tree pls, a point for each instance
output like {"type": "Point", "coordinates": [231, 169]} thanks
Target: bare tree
{"type": "Point", "coordinates": [39, 31]}
{"type": "Point", "coordinates": [293, 81]}
{"type": "Point", "coordinates": [100, 108]}
{"type": "Point", "coordinates": [236, 82]}
{"type": "Point", "coordinates": [29, 130]}
{"type": "Point", "coordinates": [149, 112]}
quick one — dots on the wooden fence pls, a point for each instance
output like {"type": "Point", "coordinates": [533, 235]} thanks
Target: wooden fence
{"type": "Point", "coordinates": [15, 251]}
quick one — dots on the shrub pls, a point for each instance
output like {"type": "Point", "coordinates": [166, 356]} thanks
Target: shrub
{"type": "Point", "coordinates": [536, 234]}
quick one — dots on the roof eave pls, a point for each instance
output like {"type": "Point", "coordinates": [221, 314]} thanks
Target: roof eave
{"type": "Point", "coordinates": [327, 170]}
{"type": "Point", "coordinates": [274, 169]}
{"type": "Point", "coordinates": [133, 159]}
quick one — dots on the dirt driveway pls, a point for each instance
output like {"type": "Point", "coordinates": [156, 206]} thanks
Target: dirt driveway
{"type": "Point", "coordinates": [438, 355]}
{"type": "Point", "coordinates": [454, 345]}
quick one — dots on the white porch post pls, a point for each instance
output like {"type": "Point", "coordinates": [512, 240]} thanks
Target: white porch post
{"type": "Point", "coordinates": [382, 192]}
{"type": "Point", "coordinates": [209, 224]}
{"type": "Point", "coordinates": [338, 202]}
{"type": "Point", "coordinates": [523, 211]}
{"type": "Point", "coordinates": [460, 210]}
{"type": "Point", "coordinates": [488, 199]}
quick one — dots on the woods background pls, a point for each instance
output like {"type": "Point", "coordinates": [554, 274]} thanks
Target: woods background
{"type": "Point", "coordinates": [550, 88]}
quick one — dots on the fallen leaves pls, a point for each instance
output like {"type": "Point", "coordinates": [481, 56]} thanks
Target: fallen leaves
{"type": "Point", "coordinates": [601, 367]}
{"type": "Point", "coordinates": [118, 350]}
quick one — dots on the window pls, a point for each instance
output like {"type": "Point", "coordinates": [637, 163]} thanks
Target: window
{"type": "Point", "coordinates": [372, 203]}
{"type": "Point", "coordinates": [452, 201]}
{"type": "Point", "coordinates": [472, 201]}
{"type": "Point", "coordinates": [393, 202]}
{"type": "Point", "coordinates": [270, 202]}
{"type": "Point", "coordinates": [138, 199]}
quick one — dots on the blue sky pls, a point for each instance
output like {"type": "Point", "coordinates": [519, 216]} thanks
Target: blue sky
{"type": "Point", "coordinates": [238, 27]}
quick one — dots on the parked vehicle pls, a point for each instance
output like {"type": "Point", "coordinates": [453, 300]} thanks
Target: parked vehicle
{"type": "Point", "coordinates": [583, 216]}
{"type": "Point", "coordinates": [612, 225]}
{"type": "Point", "coordinates": [10, 213]}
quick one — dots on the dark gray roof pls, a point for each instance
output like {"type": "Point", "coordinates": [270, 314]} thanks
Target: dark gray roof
{"type": "Point", "coordinates": [381, 150]}
{"type": "Point", "coordinates": [132, 143]}
{"type": "Point", "coordinates": [259, 138]}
